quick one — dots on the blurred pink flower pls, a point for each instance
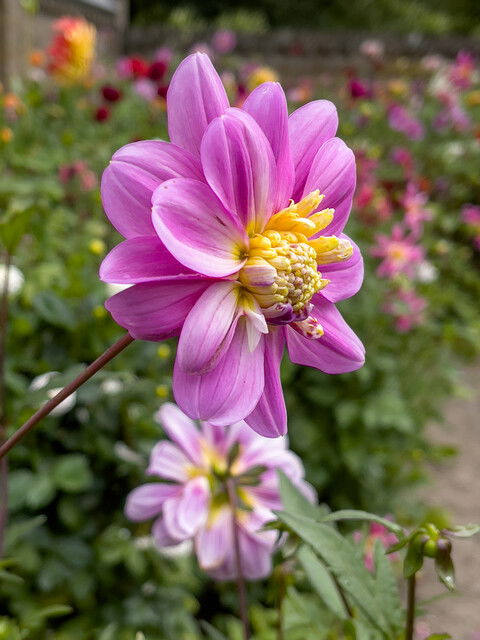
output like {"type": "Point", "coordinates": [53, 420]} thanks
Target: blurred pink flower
{"type": "Point", "coordinates": [376, 532]}
{"type": "Point", "coordinates": [403, 157]}
{"type": "Point", "coordinates": [358, 89]}
{"type": "Point", "coordinates": [462, 70]}
{"type": "Point", "coordinates": [400, 119]}
{"type": "Point", "coordinates": [224, 41]}
{"type": "Point", "coordinates": [407, 308]}
{"type": "Point", "coordinates": [145, 88]}
{"type": "Point", "coordinates": [398, 252]}
{"type": "Point", "coordinates": [471, 216]}
{"type": "Point", "coordinates": [416, 213]}
{"type": "Point", "coordinates": [191, 501]}
{"type": "Point", "coordinates": [372, 48]}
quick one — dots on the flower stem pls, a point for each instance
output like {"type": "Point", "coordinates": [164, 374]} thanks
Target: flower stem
{"type": "Point", "coordinates": [241, 586]}
{"type": "Point", "coordinates": [3, 407]}
{"type": "Point", "coordinates": [411, 585]}
{"type": "Point", "coordinates": [90, 371]}
{"type": "Point", "coordinates": [280, 601]}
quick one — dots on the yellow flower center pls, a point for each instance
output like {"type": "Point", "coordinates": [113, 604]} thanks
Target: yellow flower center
{"type": "Point", "coordinates": [282, 267]}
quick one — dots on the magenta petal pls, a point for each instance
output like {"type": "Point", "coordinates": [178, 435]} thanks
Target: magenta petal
{"type": "Point", "coordinates": [256, 556]}
{"type": "Point", "coordinates": [169, 462]}
{"type": "Point", "coordinates": [146, 501]}
{"type": "Point", "coordinates": [161, 536]}
{"type": "Point", "coordinates": [196, 229]}
{"type": "Point", "coordinates": [338, 351]}
{"type": "Point", "coordinates": [156, 311]}
{"type": "Point", "coordinates": [214, 541]}
{"type": "Point", "coordinates": [310, 126]}
{"type": "Point", "coordinates": [229, 392]}
{"type": "Point", "coordinates": [182, 430]}
{"type": "Point", "coordinates": [141, 259]}
{"type": "Point", "coordinates": [268, 106]}
{"type": "Point", "coordinates": [208, 328]}
{"type": "Point", "coordinates": [269, 418]}
{"type": "Point", "coordinates": [192, 510]}
{"type": "Point", "coordinates": [195, 97]}
{"type": "Point", "coordinates": [239, 166]}
{"type": "Point", "coordinates": [132, 176]}
{"type": "Point", "coordinates": [345, 277]}
{"type": "Point", "coordinates": [333, 173]}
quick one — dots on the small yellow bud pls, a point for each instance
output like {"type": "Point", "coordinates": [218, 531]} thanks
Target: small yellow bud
{"type": "Point", "coordinates": [6, 135]}
{"type": "Point", "coordinates": [163, 351]}
{"type": "Point", "coordinates": [97, 247]}
{"type": "Point", "coordinates": [99, 312]}
{"type": "Point", "coordinates": [162, 391]}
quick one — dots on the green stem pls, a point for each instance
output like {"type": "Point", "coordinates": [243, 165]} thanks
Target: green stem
{"type": "Point", "coordinates": [241, 586]}
{"type": "Point", "coordinates": [67, 391]}
{"type": "Point", "coordinates": [410, 619]}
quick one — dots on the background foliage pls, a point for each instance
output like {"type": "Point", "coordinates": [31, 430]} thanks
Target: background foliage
{"type": "Point", "coordinates": [78, 565]}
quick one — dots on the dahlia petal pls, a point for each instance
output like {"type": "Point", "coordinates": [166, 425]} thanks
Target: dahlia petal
{"type": "Point", "coordinates": [309, 126]}
{"type": "Point", "coordinates": [256, 556]}
{"type": "Point", "coordinates": [230, 391]}
{"type": "Point", "coordinates": [192, 511]}
{"type": "Point", "coordinates": [170, 519]}
{"type": "Point", "coordinates": [195, 97]}
{"type": "Point", "coordinates": [196, 229]}
{"type": "Point", "coordinates": [156, 310]}
{"type": "Point", "coordinates": [132, 176]}
{"type": "Point", "coordinates": [181, 430]}
{"type": "Point", "coordinates": [267, 104]}
{"type": "Point", "coordinates": [208, 328]}
{"type": "Point", "coordinates": [140, 259]}
{"type": "Point", "coordinates": [338, 351]}
{"type": "Point", "coordinates": [333, 173]}
{"type": "Point", "coordinates": [146, 501]}
{"type": "Point", "coordinates": [345, 277]}
{"type": "Point", "coordinates": [169, 462]}
{"type": "Point", "coordinates": [214, 541]}
{"type": "Point", "coordinates": [269, 418]}
{"type": "Point", "coordinates": [239, 166]}
{"type": "Point", "coordinates": [161, 536]}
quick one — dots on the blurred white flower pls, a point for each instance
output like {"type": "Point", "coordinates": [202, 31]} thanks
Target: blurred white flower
{"type": "Point", "coordinates": [111, 387]}
{"type": "Point", "coordinates": [126, 454]}
{"type": "Point", "coordinates": [15, 279]}
{"type": "Point", "coordinates": [427, 272]}
{"type": "Point", "coordinates": [42, 381]}
{"type": "Point", "coordinates": [185, 548]}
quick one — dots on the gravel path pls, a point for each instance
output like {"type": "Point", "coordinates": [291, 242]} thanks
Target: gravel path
{"type": "Point", "coordinates": [455, 487]}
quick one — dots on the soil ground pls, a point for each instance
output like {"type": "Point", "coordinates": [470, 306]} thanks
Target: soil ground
{"type": "Point", "coordinates": [455, 487]}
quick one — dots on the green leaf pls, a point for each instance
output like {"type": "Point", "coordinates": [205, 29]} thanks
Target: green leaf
{"type": "Point", "coordinates": [294, 501]}
{"type": "Point", "coordinates": [413, 561]}
{"type": "Point", "coordinates": [386, 589]}
{"type": "Point", "coordinates": [341, 557]}
{"type": "Point", "coordinates": [463, 531]}
{"type": "Point", "coordinates": [438, 636]}
{"type": "Point", "coordinates": [322, 581]}
{"type": "Point", "coordinates": [20, 529]}
{"type": "Point", "coordinates": [7, 577]}
{"type": "Point", "coordinates": [353, 514]}
{"type": "Point", "coordinates": [212, 633]}
{"type": "Point", "coordinates": [72, 474]}
{"type": "Point", "coordinates": [53, 310]}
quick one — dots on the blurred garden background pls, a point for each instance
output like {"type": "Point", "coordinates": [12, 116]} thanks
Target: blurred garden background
{"type": "Point", "coordinates": [405, 77]}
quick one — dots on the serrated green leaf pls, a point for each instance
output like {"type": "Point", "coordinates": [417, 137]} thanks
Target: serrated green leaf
{"type": "Point", "coordinates": [322, 581]}
{"type": "Point", "coordinates": [341, 557]}
{"type": "Point", "coordinates": [353, 514]}
{"type": "Point", "coordinates": [386, 589]}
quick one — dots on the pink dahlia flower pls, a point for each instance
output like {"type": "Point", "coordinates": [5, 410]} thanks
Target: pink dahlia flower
{"type": "Point", "coordinates": [399, 254]}
{"type": "Point", "coordinates": [192, 501]}
{"type": "Point", "coordinates": [377, 532]}
{"type": "Point", "coordinates": [234, 242]}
